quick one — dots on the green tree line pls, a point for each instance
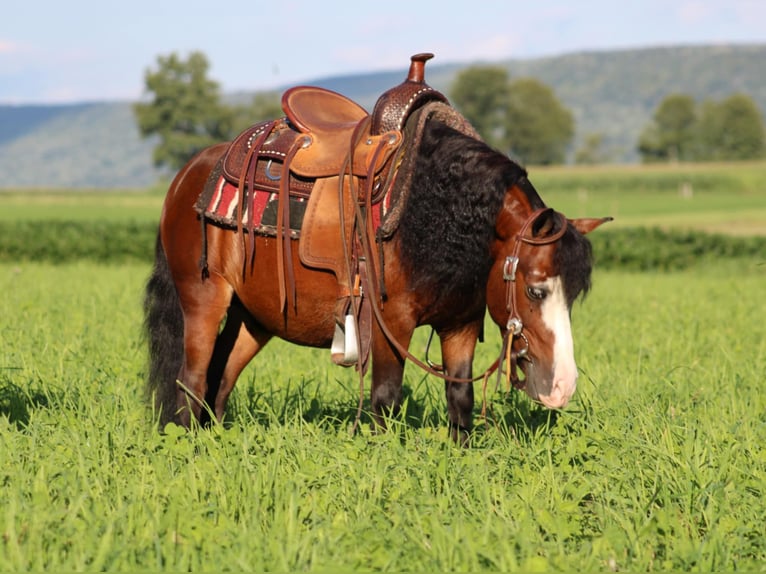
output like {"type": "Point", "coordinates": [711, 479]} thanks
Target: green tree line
{"type": "Point", "coordinates": [186, 110]}
{"type": "Point", "coordinates": [520, 117]}
{"type": "Point", "coordinates": [114, 243]}
{"type": "Point", "coordinates": [682, 129]}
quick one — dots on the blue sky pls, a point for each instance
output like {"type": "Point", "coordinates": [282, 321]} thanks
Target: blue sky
{"type": "Point", "coordinates": [75, 50]}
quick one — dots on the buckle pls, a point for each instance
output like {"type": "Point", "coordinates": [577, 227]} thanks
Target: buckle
{"type": "Point", "coordinates": [509, 268]}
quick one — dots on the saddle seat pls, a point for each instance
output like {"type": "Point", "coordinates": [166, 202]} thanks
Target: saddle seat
{"type": "Point", "coordinates": [332, 131]}
{"type": "Point", "coordinates": [313, 109]}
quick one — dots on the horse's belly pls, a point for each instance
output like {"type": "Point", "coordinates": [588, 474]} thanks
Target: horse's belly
{"type": "Point", "coordinates": [311, 326]}
{"type": "Point", "coordinates": [308, 319]}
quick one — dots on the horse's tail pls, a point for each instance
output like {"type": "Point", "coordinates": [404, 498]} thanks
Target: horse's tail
{"type": "Point", "coordinates": [164, 328]}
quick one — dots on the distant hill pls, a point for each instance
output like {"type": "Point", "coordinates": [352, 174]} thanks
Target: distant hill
{"type": "Point", "coordinates": [83, 145]}
{"type": "Point", "coordinates": [613, 93]}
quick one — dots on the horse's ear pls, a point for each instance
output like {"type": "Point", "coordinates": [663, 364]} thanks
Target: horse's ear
{"type": "Point", "coordinates": [544, 224]}
{"type": "Point", "coordinates": [587, 224]}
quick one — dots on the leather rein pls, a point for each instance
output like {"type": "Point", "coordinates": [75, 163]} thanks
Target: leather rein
{"type": "Point", "coordinates": [514, 325]}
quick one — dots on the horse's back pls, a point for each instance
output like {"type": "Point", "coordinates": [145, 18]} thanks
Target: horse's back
{"type": "Point", "coordinates": [189, 181]}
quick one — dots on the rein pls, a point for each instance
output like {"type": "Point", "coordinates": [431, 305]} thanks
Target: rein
{"type": "Point", "coordinates": [514, 325]}
{"type": "Point", "coordinates": [373, 290]}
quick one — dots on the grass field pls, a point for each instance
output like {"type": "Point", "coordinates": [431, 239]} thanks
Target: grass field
{"type": "Point", "coordinates": [717, 198]}
{"type": "Point", "coordinates": [72, 205]}
{"type": "Point", "coordinates": [658, 463]}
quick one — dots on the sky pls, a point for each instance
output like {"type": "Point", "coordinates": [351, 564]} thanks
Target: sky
{"type": "Point", "coordinates": [65, 51]}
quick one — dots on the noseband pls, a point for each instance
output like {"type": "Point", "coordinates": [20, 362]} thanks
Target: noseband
{"type": "Point", "coordinates": [514, 327]}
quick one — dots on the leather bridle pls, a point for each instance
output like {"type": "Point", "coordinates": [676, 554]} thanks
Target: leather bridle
{"type": "Point", "coordinates": [514, 327]}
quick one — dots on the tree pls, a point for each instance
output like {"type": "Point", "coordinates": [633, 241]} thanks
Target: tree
{"type": "Point", "coordinates": [185, 110]}
{"type": "Point", "coordinates": [731, 129]}
{"type": "Point", "coordinates": [671, 133]}
{"type": "Point", "coordinates": [481, 95]}
{"type": "Point", "coordinates": [539, 127]}
{"type": "Point", "coordinates": [521, 117]}
{"type": "Point", "coordinates": [591, 151]}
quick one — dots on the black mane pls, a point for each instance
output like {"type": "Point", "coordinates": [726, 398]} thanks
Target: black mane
{"type": "Point", "coordinates": [457, 190]}
{"type": "Point", "coordinates": [448, 223]}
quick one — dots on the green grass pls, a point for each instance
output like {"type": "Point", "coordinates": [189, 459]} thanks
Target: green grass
{"type": "Point", "coordinates": [75, 205]}
{"type": "Point", "coordinates": [720, 198]}
{"type": "Point", "coordinates": [656, 226]}
{"type": "Point", "coordinates": [728, 198]}
{"type": "Point", "coordinates": [658, 464]}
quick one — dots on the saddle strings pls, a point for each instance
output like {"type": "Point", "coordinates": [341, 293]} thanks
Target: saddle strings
{"type": "Point", "coordinates": [354, 300]}
{"type": "Point", "coordinates": [285, 271]}
{"type": "Point", "coordinates": [250, 162]}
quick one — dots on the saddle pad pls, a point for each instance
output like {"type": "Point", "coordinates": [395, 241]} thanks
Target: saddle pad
{"type": "Point", "coordinates": [223, 204]}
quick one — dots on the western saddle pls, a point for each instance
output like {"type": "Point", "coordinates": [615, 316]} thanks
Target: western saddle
{"type": "Point", "coordinates": [330, 151]}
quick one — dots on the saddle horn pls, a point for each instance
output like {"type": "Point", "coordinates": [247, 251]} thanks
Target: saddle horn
{"type": "Point", "coordinates": [395, 105]}
{"type": "Point", "coordinates": [417, 72]}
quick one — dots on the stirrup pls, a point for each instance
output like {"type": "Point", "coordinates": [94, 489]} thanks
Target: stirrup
{"type": "Point", "coordinates": [344, 350]}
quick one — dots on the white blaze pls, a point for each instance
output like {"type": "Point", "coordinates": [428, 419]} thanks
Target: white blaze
{"type": "Point", "coordinates": [555, 315]}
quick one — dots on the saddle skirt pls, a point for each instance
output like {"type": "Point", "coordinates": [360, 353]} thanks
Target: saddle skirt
{"type": "Point", "coordinates": [245, 189]}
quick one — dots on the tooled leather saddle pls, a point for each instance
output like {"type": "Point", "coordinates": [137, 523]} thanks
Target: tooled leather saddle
{"type": "Point", "coordinates": [325, 143]}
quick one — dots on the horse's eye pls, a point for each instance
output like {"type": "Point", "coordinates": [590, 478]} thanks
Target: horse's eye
{"type": "Point", "coordinates": [537, 293]}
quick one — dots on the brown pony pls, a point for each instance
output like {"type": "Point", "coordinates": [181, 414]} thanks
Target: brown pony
{"type": "Point", "coordinates": [473, 236]}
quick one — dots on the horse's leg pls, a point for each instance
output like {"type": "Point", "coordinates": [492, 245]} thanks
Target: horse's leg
{"type": "Point", "coordinates": [457, 355]}
{"type": "Point", "coordinates": [387, 373]}
{"type": "Point", "coordinates": [204, 308]}
{"type": "Point", "coordinates": [237, 344]}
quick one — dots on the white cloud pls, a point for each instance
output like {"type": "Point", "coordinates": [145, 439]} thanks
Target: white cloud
{"type": "Point", "coordinates": [497, 47]}
{"type": "Point", "coordinates": [487, 49]}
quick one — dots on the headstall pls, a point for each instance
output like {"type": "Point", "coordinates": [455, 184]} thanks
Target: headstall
{"type": "Point", "coordinates": [514, 326]}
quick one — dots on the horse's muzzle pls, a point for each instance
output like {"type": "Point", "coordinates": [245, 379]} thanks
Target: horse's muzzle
{"type": "Point", "coordinates": [552, 390]}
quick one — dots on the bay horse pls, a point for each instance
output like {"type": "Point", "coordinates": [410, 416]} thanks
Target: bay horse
{"type": "Point", "coordinates": [473, 236]}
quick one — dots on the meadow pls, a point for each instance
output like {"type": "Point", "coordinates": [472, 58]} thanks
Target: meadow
{"type": "Point", "coordinates": [658, 463]}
